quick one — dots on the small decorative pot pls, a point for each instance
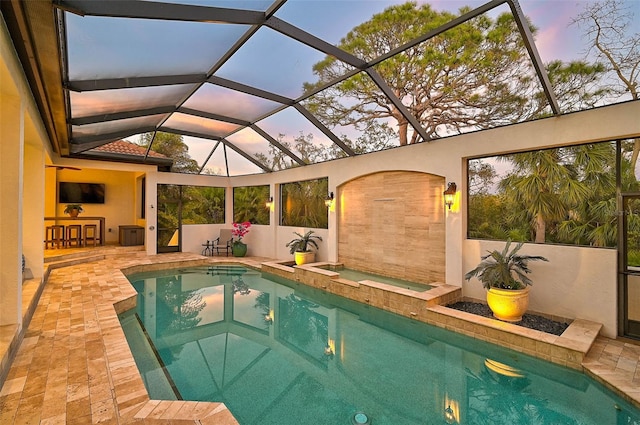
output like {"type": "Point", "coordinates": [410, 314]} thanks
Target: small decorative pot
{"type": "Point", "coordinates": [239, 249]}
{"type": "Point", "coordinates": [508, 304]}
{"type": "Point", "coordinates": [74, 212]}
{"type": "Point", "coordinates": [304, 257]}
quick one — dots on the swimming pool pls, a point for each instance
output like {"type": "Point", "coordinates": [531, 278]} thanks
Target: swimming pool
{"type": "Point", "coordinates": [278, 352]}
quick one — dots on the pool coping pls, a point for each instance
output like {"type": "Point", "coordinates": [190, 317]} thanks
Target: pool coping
{"type": "Point", "coordinates": [568, 349]}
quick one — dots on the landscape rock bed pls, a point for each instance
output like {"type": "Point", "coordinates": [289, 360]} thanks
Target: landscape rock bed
{"type": "Point", "coordinates": [530, 321]}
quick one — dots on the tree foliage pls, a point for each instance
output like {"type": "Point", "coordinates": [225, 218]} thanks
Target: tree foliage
{"type": "Point", "coordinates": [303, 203]}
{"type": "Point", "coordinates": [607, 25]}
{"type": "Point", "coordinates": [564, 195]}
{"type": "Point", "coordinates": [249, 204]}
{"type": "Point", "coordinates": [172, 146]}
{"type": "Point", "coordinates": [475, 75]}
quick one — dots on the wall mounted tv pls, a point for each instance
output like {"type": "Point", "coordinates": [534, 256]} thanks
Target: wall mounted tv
{"type": "Point", "coordinates": [80, 193]}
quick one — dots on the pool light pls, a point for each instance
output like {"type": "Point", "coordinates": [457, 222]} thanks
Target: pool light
{"type": "Point", "coordinates": [360, 418]}
{"type": "Point", "coordinates": [448, 415]}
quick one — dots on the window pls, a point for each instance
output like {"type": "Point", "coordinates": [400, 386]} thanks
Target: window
{"type": "Point", "coordinates": [563, 195]}
{"type": "Point", "coordinates": [202, 205]}
{"type": "Point", "coordinates": [303, 203]}
{"type": "Point", "coordinates": [249, 204]}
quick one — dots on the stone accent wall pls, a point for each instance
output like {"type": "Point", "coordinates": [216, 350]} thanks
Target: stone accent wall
{"type": "Point", "coordinates": [393, 224]}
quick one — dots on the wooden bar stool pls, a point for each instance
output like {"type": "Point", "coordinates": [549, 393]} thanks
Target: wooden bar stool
{"type": "Point", "coordinates": [74, 235]}
{"type": "Point", "coordinates": [54, 235]}
{"type": "Point", "coordinates": [91, 234]}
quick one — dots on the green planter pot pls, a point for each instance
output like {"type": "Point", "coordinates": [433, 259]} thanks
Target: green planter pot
{"type": "Point", "coordinates": [239, 249]}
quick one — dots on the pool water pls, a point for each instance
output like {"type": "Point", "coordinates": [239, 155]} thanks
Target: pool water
{"type": "Point", "coordinates": [278, 352]}
{"type": "Point", "coordinates": [357, 275]}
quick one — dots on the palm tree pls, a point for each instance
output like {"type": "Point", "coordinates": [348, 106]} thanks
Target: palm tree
{"type": "Point", "coordinates": [555, 184]}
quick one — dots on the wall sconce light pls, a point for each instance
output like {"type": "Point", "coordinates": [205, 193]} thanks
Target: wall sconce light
{"type": "Point", "coordinates": [330, 349]}
{"type": "Point", "coordinates": [450, 194]}
{"type": "Point", "coordinates": [329, 200]}
{"type": "Point", "coordinates": [269, 318]}
{"type": "Point", "coordinates": [269, 202]}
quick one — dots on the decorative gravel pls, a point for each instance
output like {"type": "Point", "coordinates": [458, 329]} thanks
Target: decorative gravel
{"type": "Point", "coordinates": [530, 321]}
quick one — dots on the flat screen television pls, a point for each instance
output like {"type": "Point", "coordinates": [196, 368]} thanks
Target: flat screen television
{"type": "Point", "coordinates": [80, 193]}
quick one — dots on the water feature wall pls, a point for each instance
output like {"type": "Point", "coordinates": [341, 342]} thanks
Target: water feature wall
{"type": "Point", "coordinates": [393, 224]}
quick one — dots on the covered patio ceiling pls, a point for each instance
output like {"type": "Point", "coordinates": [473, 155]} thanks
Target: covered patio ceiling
{"type": "Point", "coordinates": [234, 79]}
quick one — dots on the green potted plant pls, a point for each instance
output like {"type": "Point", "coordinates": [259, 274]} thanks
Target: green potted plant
{"type": "Point", "coordinates": [301, 247]}
{"type": "Point", "coordinates": [504, 276]}
{"type": "Point", "coordinates": [73, 209]}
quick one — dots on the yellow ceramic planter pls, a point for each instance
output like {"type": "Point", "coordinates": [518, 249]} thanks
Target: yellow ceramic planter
{"type": "Point", "coordinates": [508, 304]}
{"type": "Point", "coordinates": [304, 257]}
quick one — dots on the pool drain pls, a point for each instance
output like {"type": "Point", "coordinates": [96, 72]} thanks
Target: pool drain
{"type": "Point", "coordinates": [360, 418]}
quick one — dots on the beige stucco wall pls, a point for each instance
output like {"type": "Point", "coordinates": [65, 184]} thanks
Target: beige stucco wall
{"type": "Point", "coordinates": [119, 206]}
{"type": "Point", "coordinates": [577, 282]}
{"type": "Point", "coordinates": [23, 143]}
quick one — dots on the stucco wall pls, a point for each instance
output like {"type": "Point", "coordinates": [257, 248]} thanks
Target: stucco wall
{"type": "Point", "coordinates": [576, 282]}
{"type": "Point", "coordinates": [120, 195]}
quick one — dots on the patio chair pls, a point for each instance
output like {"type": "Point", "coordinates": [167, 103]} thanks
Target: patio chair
{"type": "Point", "coordinates": [222, 242]}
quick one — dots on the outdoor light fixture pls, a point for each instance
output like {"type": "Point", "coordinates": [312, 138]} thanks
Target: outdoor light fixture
{"type": "Point", "coordinates": [450, 194]}
{"type": "Point", "coordinates": [449, 417]}
{"type": "Point", "coordinates": [269, 202]}
{"type": "Point", "coordinates": [329, 200]}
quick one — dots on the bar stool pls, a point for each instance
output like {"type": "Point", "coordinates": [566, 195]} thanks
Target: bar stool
{"type": "Point", "coordinates": [54, 235]}
{"type": "Point", "coordinates": [90, 234]}
{"type": "Point", "coordinates": [74, 235]}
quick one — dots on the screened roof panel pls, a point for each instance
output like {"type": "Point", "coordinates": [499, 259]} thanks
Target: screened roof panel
{"type": "Point", "coordinates": [117, 126]}
{"type": "Point", "coordinates": [238, 165]}
{"type": "Point", "coordinates": [199, 150]}
{"type": "Point", "coordinates": [204, 126]}
{"type": "Point", "coordinates": [313, 16]}
{"type": "Point", "coordinates": [229, 103]}
{"type": "Point", "coordinates": [214, 67]}
{"type": "Point", "coordinates": [90, 103]}
{"type": "Point", "coordinates": [217, 163]}
{"type": "Point", "coordinates": [251, 142]}
{"type": "Point", "coordinates": [273, 62]}
{"type": "Point", "coordinates": [295, 131]}
{"type": "Point", "coordinates": [345, 113]}
{"type": "Point", "coordinates": [257, 5]}
{"type": "Point", "coordinates": [104, 47]}
{"type": "Point", "coordinates": [462, 88]}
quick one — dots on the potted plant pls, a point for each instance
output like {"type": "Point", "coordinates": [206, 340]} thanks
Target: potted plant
{"type": "Point", "coordinates": [301, 247]}
{"type": "Point", "coordinates": [239, 248]}
{"type": "Point", "coordinates": [504, 275]}
{"type": "Point", "coordinates": [73, 209]}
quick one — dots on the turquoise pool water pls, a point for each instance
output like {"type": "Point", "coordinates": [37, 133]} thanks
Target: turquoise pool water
{"type": "Point", "coordinates": [278, 352]}
{"type": "Point", "coordinates": [357, 275]}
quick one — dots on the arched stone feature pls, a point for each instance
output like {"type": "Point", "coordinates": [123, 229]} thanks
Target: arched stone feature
{"type": "Point", "coordinates": [393, 224]}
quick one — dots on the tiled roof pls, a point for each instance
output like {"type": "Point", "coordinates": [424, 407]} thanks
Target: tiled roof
{"type": "Point", "coordinates": [126, 148]}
